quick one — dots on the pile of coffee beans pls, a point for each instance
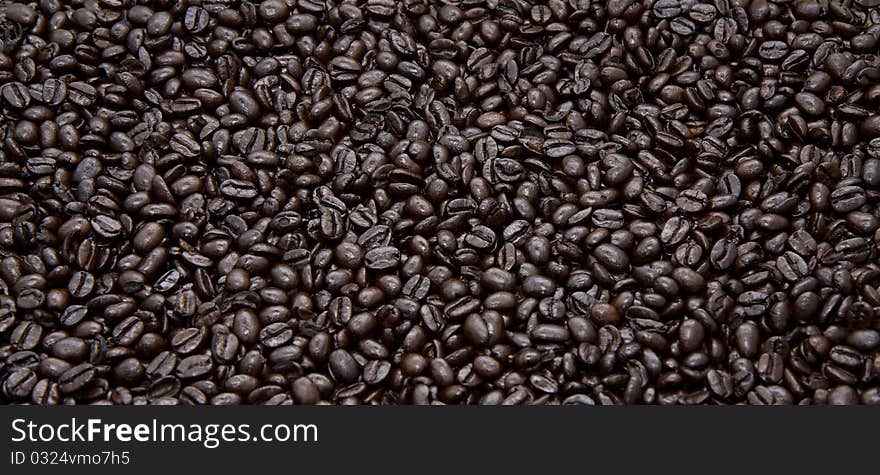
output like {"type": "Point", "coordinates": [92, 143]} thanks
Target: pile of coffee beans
{"type": "Point", "coordinates": [440, 202]}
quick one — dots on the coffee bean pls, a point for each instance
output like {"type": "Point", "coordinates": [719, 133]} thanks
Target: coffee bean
{"type": "Point", "coordinates": [16, 95]}
{"type": "Point", "coordinates": [376, 371]}
{"type": "Point", "coordinates": [792, 266]}
{"type": "Point", "coordinates": [432, 318]}
{"type": "Point", "coordinates": [148, 237]}
{"type": "Point", "coordinates": [22, 14]}
{"type": "Point", "coordinates": [605, 314]}
{"type": "Point", "coordinates": [238, 189]}
{"type": "Point", "coordinates": [19, 383]}
{"type": "Point", "coordinates": [46, 393]}
{"type": "Point", "coordinates": [498, 279]}
{"type": "Point", "coordinates": [195, 19]}
{"type": "Point", "coordinates": [843, 396]}
{"type": "Point", "coordinates": [343, 366]}
{"type": "Point", "coordinates": [803, 243]}
{"type": "Point", "coordinates": [76, 378]}
{"type": "Point", "coordinates": [770, 367]}
{"type": "Point", "coordinates": [611, 257]}
{"type": "Point", "coordinates": [71, 349]}
{"type": "Point", "coordinates": [225, 346]}
{"type": "Point", "coordinates": [481, 238]}
{"type": "Point", "coordinates": [550, 332]}
{"type": "Point", "coordinates": [194, 366]}
{"type": "Point", "coordinates": [275, 335]}
{"type": "Point", "coordinates": [81, 93]}
{"type": "Point", "coordinates": [692, 201]}
{"type": "Point", "coordinates": [382, 258]}
{"type": "Point", "coordinates": [772, 50]}
{"type": "Point", "coordinates": [720, 383]}
{"type": "Point", "coordinates": [847, 198]}
{"type": "Point", "coordinates": [187, 340]}
{"type": "Point", "coordinates": [556, 148]}
{"type": "Point", "coordinates": [691, 334]}
{"type": "Point", "coordinates": [674, 231]}
{"type": "Point", "coordinates": [73, 315]}
{"type": "Point", "coordinates": [770, 395]}
{"type": "Point", "coordinates": [544, 384]}
{"type": "Point", "coordinates": [538, 286]}
{"type": "Point", "coordinates": [26, 335]}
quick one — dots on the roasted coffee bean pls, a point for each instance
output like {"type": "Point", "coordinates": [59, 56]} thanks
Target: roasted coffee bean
{"type": "Point", "coordinates": [70, 349]}
{"type": "Point", "coordinates": [81, 93]}
{"type": "Point", "coordinates": [550, 332]}
{"type": "Point", "coordinates": [81, 284]}
{"type": "Point", "coordinates": [16, 95]}
{"type": "Point", "coordinates": [275, 334]}
{"type": "Point", "coordinates": [376, 371]}
{"type": "Point", "coordinates": [605, 314]}
{"type": "Point", "coordinates": [19, 383]}
{"type": "Point", "coordinates": [76, 378]}
{"type": "Point", "coordinates": [674, 231]}
{"type": "Point", "coordinates": [194, 366]}
{"type": "Point", "coordinates": [692, 201]}
{"type": "Point", "coordinates": [538, 286]}
{"type": "Point", "coordinates": [26, 335]}
{"type": "Point", "coordinates": [238, 189]}
{"type": "Point", "coordinates": [792, 266]}
{"type": "Point", "coordinates": [343, 366]}
{"type": "Point", "coordinates": [612, 257]}
{"type": "Point", "coordinates": [225, 346]}
{"type": "Point", "coordinates": [723, 254]}
{"type": "Point", "coordinates": [382, 258]}
{"type": "Point", "coordinates": [46, 393]}
{"type": "Point", "coordinates": [187, 340]}
{"type": "Point", "coordinates": [847, 198]}
{"type": "Point", "coordinates": [770, 367]}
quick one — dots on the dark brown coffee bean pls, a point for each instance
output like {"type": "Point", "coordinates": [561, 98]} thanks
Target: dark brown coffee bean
{"type": "Point", "coordinates": [605, 314]}
{"type": "Point", "coordinates": [612, 257]}
{"type": "Point", "coordinates": [46, 393]}
{"type": "Point", "coordinates": [16, 95]}
{"type": "Point", "coordinates": [26, 335]}
{"type": "Point", "coordinates": [81, 93]}
{"type": "Point", "coordinates": [19, 383]}
{"type": "Point", "coordinates": [376, 371]}
{"type": "Point", "coordinates": [71, 349]}
{"type": "Point", "coordinates": [344, 367]}
{"type": "Point", "coordinates": [674, 231]}
{"type": "Point", "coordinates": [188, 340]}
{"type": "Point", "coordinates": [847, 198]}
{"type": "Point", "coordinates": [238, 189]}
{"type": "Point", "coordinates": [194, 366]}
{"type": "Point", "coordinates": [538, 286]}
{"type": "Point", "coordinates": [770, 367]}
{"type": "Point", "coordinates": [382, 258]}
{"type": "Point", "coordinates": [76, 378]}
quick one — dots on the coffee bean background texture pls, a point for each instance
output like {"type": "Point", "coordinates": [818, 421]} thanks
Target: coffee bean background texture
{"type": "Point", "coordinates": [439, 202]}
